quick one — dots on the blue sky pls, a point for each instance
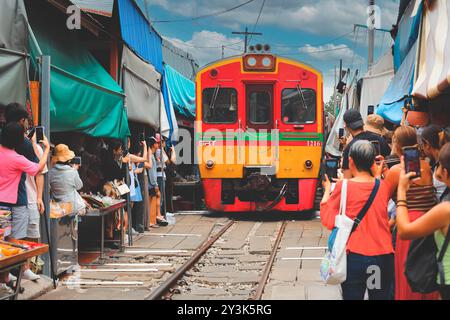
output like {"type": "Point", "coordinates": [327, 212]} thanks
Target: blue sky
{"type": "Point", "coordinates": [307, 30]}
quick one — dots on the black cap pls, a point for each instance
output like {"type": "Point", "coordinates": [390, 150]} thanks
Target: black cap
{"type": "Point", "coordinates": [353, 119]}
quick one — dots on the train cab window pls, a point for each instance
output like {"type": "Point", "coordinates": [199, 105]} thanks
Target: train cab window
{"type": "Point", "coordinates": [220, 105]}
{"type": "Point", "coordinates": [259, 107]}
{"type": "Point", "coordinates": [298, 106]}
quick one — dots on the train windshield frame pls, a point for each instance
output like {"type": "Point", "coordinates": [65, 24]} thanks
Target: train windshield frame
{"type": "Point", "coordinates": [298, 106]}
{"type": "Point", "coordinates": [220, 105]}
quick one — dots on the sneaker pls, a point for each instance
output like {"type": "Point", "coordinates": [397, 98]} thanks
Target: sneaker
{"type": "Point", "coordinates": [134, 232]}
{"type": "Point", "coordinates": [30, 275]}
{"type": "Point", "coordinates": [12, 277]}
{"type": "Point", "coordinates": [5, 288]}
{"type": "Point", "coordinates": [162, 222]}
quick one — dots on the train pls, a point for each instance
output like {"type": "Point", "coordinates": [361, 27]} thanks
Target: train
{"type": "Point", "coordinates": [259, 133]}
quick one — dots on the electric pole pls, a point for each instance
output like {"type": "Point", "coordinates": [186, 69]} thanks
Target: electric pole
{"type": "Point", "coordinates": [246, 34]}
{"type": "Point", "coordinates": [371, 33]}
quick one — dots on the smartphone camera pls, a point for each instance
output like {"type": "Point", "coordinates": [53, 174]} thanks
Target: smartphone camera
{"type": "Point", "coordinates": [39, 134]}
{"type": "Point", "coordinates": [370, 110]}
{"type": "Point", "coordinates": [76, 161]}
{"type": "Point", "coordinates": [377, 146]}
{"type": "Point", "coordinates": [331, 168]}
{"type": "Point", "coordinates": [412, 160]}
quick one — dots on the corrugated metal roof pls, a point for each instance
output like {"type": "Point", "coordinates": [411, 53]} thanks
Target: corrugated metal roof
{"type": "Point", "coordinates": [139, 34]}
{"type": "Point", "coordinates": [179, 60]}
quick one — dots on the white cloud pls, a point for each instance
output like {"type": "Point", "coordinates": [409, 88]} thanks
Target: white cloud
{"type": "Point", "coordinates": [206, 46]}
{"type": "Point", "coordinates": [321, 17]}
{"type": "Point", "coordinates": [330, 52]}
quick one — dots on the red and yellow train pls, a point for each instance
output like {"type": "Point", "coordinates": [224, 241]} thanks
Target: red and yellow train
{"type": "Point", "coordinates": [259, 133]}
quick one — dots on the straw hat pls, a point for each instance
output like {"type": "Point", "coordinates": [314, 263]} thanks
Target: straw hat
{"type": "Point", "coordinates": [62, 153]}
{"type": "Point", "coordinates": [375, 124]}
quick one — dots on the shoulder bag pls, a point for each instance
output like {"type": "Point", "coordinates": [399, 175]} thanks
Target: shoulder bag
{"type": "Point", "coordinates": [333, 268]}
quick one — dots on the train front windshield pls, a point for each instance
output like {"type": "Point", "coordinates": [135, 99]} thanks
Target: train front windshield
{"type": "Point", "coordinates": [298, 107]}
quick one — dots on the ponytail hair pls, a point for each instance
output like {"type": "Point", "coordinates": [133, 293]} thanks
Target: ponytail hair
{"type": "Point", "coordinates": [444, 137]}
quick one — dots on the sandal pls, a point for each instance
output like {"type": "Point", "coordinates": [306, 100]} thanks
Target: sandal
{"type": "Point", "coordinates": [162, 222]}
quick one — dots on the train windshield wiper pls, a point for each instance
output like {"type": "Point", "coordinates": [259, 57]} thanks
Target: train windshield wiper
{"type": "Point", "coordinates": [300, 92]}
{"type": "Point", "coordinates": [214, 99]}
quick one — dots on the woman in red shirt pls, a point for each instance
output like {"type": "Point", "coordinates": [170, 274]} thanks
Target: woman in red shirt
{"type": "Point", "coordinates": [370, 255]}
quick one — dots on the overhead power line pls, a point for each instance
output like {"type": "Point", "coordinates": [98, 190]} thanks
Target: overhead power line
{"type": "Point", "coordinates": [257, 21]}
{"type": "Point", "coordinates": [214, 14]}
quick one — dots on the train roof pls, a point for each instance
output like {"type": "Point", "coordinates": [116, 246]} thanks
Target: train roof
{"type": "Point", "coordinates": [275, 55]}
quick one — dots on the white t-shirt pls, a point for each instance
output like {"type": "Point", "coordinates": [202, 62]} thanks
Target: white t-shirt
{"type": "Point", "coordinates": [30, 182]}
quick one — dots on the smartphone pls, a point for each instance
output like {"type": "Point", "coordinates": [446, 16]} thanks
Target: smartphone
{"type": "Point", "coordinates": [125, 152]}
{"type": "Point", "coordinates": [31, 133]}
{"type": "Point", "coordinates": [377, 146]}
{"type": "Point", "coordinates": [76, 160]}
{"type": "Point", "coordinates": [370, 110]}
{"type": "Point", "coordinates": [412, 160]}
{"type": "Point", "coordinates": [142, 137]}
{"type": "Point", "coordinates": [341, 133]}
{"type": "Point", "coordinates": [39, 134]}
{"type": "Point", "coordinates": [331, 168]}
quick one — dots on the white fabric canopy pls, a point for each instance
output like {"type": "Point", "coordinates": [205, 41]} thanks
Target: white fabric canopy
{"type": "Point", "coordinates": [375, 83]}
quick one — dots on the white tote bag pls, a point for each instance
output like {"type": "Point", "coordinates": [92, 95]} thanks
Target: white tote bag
{"type": "Point", "coordinates": [333, 268]}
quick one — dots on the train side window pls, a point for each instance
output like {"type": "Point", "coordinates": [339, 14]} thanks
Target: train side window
{"type": "Point", "coordinates": [298, 107]}
{"type": "Point", "coordinates": [260, 107]}
{"type": "Point", "coordinates": [219, 105]}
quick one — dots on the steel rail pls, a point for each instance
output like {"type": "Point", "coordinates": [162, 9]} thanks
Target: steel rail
{"type": "Point", "coordinates": [164, 288]}
{"type": "Point", "coordinates": [268, 268]}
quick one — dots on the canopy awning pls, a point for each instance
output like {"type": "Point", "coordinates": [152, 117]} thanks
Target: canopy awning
{"type": "Point", "coordinates": [13, 49]}
{"type": "Point", "coordinates": [182, 92]}
{"type": "Point", "coordinates": [100, 7]}
{"type": "Point", "coordinates": [375, 83]}
{"type": "Point", "coordinates": [400, 87]}
{"type": "Point", "coordinates": [434, 65]}
{"type": "Point", "coordinates": [408, 31]}
{"type": "Point", "coordinates": [84, 97]}
{"type": "Point", "coordinates": [142, 85]}
{"type": "Point", "coordinates": [179, 60]}
{"type": "Point", "coordinates": [139, 35]}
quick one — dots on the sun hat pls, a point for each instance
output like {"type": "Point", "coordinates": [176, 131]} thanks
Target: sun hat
{"type": "Point", "coordinates": [375, 124]}
{"type": "Point", "coordinates": [62, 153]}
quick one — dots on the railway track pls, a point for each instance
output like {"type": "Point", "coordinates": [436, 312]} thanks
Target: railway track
{"type": "Point", "coordinates": [218, 271]}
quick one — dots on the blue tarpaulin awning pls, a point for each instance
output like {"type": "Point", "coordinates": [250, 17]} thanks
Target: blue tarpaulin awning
{"type": "Point", "coordinates": [139, 34]}
{"type": "Point", "coordinates": [400, 87]}
{"type": "Point", "coordinates": [182, 92]}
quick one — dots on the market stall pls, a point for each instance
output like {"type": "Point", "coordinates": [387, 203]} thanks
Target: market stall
{"type": "Point", "coordinates": [14, 255]}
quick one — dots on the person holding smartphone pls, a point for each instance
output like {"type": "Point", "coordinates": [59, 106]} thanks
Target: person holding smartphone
{"type": "Point", "coordinates": [421, 197]}
{"type": "Point", "coordinates": [354, 124]}
{"type": "Point", "coordinates": [12, 167]}
{"type": "Point", "coordinates": [436, 220]}
{"type": "Point", "coordinates": [29, 205]}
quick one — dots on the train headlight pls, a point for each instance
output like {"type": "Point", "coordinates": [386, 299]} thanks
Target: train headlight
{"type": "Point", "coordinates": [308, 164]}
{"type": "Point", "coordinates": [251, 62]}
{"type": "Point", "coordinates": [210, 164]}
{"type": "Point", "coordinates": [266, 62]}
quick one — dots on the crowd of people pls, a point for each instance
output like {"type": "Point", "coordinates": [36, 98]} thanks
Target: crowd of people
{"type": "Point", "coordinates": [408, 208]}
{"type": "Point", "coordinates": [23, 164]}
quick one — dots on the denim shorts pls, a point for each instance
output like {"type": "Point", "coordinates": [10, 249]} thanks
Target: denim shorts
{"type": "Point", "coordinates": [25, 222]}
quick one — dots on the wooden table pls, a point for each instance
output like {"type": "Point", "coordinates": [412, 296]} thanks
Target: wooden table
{"type": "Point", "coordinates": [18, 261]}
{"type": "Point", "coordinates": [102, 213]}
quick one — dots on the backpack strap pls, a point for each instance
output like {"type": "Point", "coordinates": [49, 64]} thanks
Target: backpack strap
{"type": "Point", "coordinates": [366, 208]}
{"type": "Point", "coordinates": [441, 257]}
{"type": "Point", "coordinates": [444, 195]}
